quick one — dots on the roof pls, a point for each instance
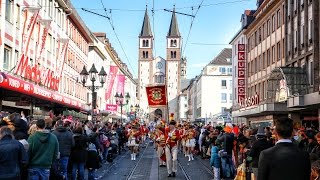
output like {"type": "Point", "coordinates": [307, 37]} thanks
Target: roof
{"type": "Point", "coordinates": [174, 29]}
{"type": "Point", "coordinates": [146, 27]}
{"type": "Point", "coordinates": [184, 83]}
{"type": "Point", "coordinates": [222, 57]}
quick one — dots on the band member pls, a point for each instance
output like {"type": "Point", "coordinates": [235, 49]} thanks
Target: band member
{"type": "Point", "coordinates": [172, 138]}
{"type": "Point", "coordinates": [144, 131]}
{"type": "Point", "coordinates": [133, 141]}
{"type": "Point", "coordinates": [191, 142]}
{"type": "Point", "coordinates": [184, 138]}
{"type": "Point", "coordinates": [161, 142]}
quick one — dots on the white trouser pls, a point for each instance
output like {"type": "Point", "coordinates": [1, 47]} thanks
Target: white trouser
{"type": "Point", "coordinates": [160, 151]}
{"type": "Point", "coordinates": [216, 172]}
{"type": "Point", "coordinates": [172, 157]}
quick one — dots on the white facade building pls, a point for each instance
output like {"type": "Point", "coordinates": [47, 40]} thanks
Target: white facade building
{"type": "Point", "coordinates": [211, 92]}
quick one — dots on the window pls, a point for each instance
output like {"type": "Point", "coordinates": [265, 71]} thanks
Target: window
{"type": "Point", "coordinates": [273, 23]}
{"type": "Point", "coordinates": [301, 35]}
{"type": "Point", "coordinates": [278, 51]}
{"type": "Point", "coordinates": [268, 27]}
{"type": "Point", "coordinates": [310, 30]}
{"type": "Point", "coordinates": [9, 6]}
{"type": "Point", "coordinates": [6, 58]}
{"type": "Point", "coordinates": [268, 57]}
{"type": "Point", "coordinates": [230, 97]}
{"type": "Point", "coordinates": [310, 71]}
{"type": "Point", "coordinates": [223, 109]}
{"type": "Point", "coordinates": [273, 54]}
{"type": "Point", "coordinates": [50, 8]}
{"type": "Point", "coordinates": [295, 40]}
{"type": "Point", "coordinates": [147, 43]}
{"type": "Point", "coordinates": [278, 18]}
{"type": "Point", "coordinates": [223, 97]}
{"type": "Point", "coordinates": [224, 84]}
{"type": "Point", "coordinates": [229, 70]}
{"type": "Point", "coordinates": [159, 78]}
{"type": "Point", "coordinates": [17, 16]}
{"type": "Point", "coordinates": [264, 60]}
{"type": "Point", "coordinates": [173, 54]}
{"type": "Point", "coordinates": [173, 43]}
{"type": "Point", "coordinates": [222, 70]}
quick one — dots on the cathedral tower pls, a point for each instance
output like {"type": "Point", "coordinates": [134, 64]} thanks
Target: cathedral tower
{"type": "Point", "coordinates": [173, 65]}
{"type": "Point", "coordinates": [145, 61]}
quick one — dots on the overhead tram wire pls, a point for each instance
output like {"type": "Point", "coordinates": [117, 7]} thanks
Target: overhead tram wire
{"type": "Point", "coordinates": [117, 9]}
{"type": "Point", "coordinates": [115, 33]}
{"type": "Point", "coordinates": [183, 50]}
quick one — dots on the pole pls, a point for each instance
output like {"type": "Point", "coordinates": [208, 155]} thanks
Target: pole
{"type": "Point", "coordinates": [121, 112]}
{"type": "Point", "coordinates": [92, 104]}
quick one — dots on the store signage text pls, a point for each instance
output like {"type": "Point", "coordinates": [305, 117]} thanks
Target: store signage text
{"type": "Point", "coordinates": [12, 83]}
{"type": "Point", "coordinates": [241, 72]}
{"type": "Point", "coordinates": [250, 101]}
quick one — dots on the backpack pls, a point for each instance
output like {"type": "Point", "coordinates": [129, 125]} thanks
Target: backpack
{"type": "Point", "coordinates": [91, 147]}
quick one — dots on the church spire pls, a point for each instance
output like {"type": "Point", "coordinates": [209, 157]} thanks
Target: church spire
{"type": "Point", "coordinates": [174, 29]}
{"type": "Point", "coordinates": [146, 28]}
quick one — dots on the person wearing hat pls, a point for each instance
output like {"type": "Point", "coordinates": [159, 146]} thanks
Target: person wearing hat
{"type": "Point", "coordinates": [160, 146]}
{"type": "Point", "coordinates": [260, 145]}
{"type": "Point", "coordinates": [172, 138]}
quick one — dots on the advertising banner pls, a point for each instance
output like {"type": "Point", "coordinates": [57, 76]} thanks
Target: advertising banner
{"type": "Point", "coordinates": [110, 80]}
{"type": "Point", "coordinates": [112, 107]}
{"type": "Point", "coordinates": [156, 95]}
{"type": "Point", "coordinates": [12, 83]}
{"type": "Point", "coordinates": [120, 85]}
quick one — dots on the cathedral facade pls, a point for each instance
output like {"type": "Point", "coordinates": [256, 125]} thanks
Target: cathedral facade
{"type": "Point", "coordinates": [159, 71]}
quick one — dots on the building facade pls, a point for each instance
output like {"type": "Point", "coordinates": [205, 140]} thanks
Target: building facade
{"type": "Point", "coordinates": [35, 45]}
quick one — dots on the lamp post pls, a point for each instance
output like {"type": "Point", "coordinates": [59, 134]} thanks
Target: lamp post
{"type": "Point", "coordinates": [119, 101]}
{"type": "Point", "coordinates": [135, 109]}
{"type": "Point", "coordinates": [93, 77]}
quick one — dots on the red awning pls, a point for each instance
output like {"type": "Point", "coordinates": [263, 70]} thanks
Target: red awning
{"type": "Point", "coordinates": [15, 84]}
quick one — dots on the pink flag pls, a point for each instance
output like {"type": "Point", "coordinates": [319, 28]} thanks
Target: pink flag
{"type": "Point", "coordinates": [110, 81]}
{"type": "Point", "coordinates": [120, 86]}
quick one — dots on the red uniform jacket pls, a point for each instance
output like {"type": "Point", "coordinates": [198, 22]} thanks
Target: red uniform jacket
{"type": "Point", "coordinates": [173, 139]}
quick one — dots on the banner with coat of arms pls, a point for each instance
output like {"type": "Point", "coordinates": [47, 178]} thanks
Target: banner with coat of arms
{"type": "Point", "coordinates": [157, 95]}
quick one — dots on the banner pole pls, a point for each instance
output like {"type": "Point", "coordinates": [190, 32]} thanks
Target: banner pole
{"type": "Point", "coordinates": [167, 97]}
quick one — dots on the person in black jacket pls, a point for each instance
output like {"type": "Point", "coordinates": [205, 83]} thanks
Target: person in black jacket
{"type": "Point", "coordinates": [66, 142]}
{"type": "Point", "coordinates": [260, 145]}
{"type": "Point", "coordinates": [12, 155]}
{"type": "Point", "coordinates": [285, 160]}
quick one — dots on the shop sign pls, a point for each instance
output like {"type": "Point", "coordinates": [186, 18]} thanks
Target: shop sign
{"type": "Point", "coordinates": [12, 83]}
{"type": "Point", "coordinates": [241, 79]}
{"type": "Point", "coordinates": [112, 107]}
{"type": "Point", "coordinates": [35, 72]}
{"type": "Point", "coordinates": [283, 93]}
{"type": "Point", "coordinates": [250, 101]}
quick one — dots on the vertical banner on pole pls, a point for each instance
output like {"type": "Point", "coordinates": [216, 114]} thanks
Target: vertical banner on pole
{"type": "Point", "coordinates": [120, 85]}
{"type": "Point", "coordinates": [110, 81]}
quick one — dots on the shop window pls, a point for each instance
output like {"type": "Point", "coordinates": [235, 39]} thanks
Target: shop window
{"type": "Point", "coordinates": [9, 6]}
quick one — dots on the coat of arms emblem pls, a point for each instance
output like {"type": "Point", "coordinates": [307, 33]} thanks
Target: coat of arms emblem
{"type": "Point", "coordinates": [156, 94]}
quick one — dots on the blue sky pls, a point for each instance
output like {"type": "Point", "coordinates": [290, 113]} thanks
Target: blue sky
{"type": "Point", "coordinates": [216, 22]}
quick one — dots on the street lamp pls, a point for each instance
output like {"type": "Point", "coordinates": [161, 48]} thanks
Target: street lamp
{"type": "Point", "coordinates": [119, 101]}
{"type": "Point", "coordinates": [93, 77]}
{"type": "Point", "coordinates": [135, 109]}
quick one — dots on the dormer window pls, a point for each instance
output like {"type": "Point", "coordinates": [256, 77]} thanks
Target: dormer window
{"type": "Point", "coordinates": [173, 43]}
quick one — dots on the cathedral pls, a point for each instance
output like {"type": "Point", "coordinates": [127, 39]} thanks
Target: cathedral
{"type": "Point", "coordinates": [158, 70]}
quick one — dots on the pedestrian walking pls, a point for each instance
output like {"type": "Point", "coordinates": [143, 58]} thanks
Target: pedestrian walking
{"type": "Point", "coordinates": [284, 160]}
{"type": "Point", "coordinates": [260, 145]}
{"type": "Point", "coordinates": [215, 161]}
{"type": "Point", "coordinates": [66, 142]}
{"type": "Point", "coordinates": [43, 151]}
{"type": "Point", "coordinates": [12, 155]}
{"type": "Point", "coordinates": [172, 149]}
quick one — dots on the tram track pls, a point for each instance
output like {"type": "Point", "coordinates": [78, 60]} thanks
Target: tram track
{"type": "Point", "coordinates": [209, 170]}
{"type": "Point", "coordinates": [131, 174]}
{"type": "Point", "coordinates": [185, 173]}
